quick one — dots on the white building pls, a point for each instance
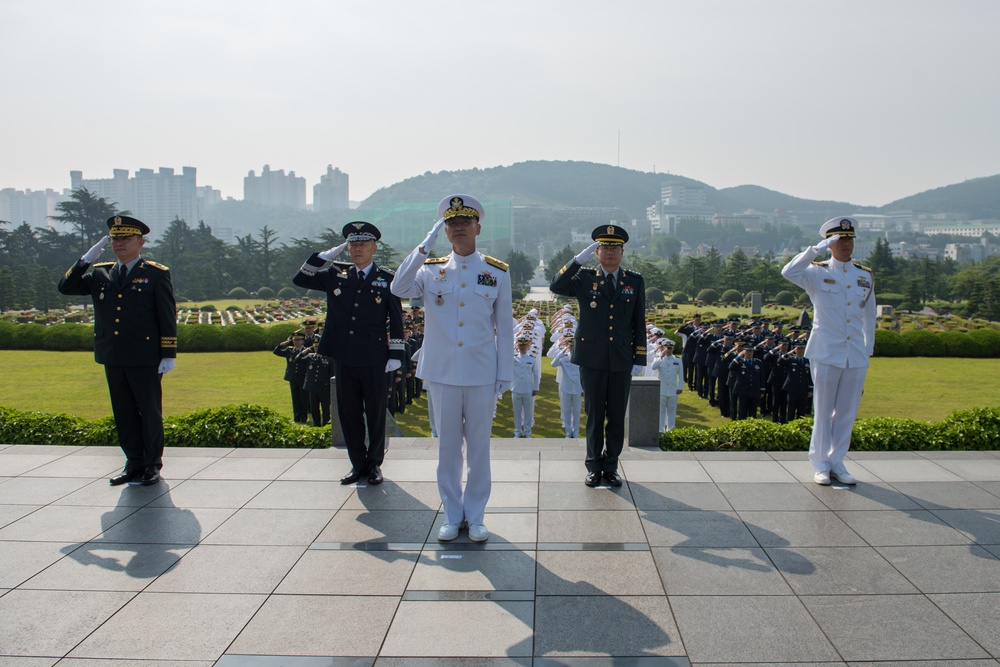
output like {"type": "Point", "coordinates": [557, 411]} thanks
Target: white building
{"type": "Point", "coordinates": [275, 189]}
{"type": "Point", "coordinates": [155, 197]}
{"type": "Point", "coordinates": [677, 201]}
{"type": "Point", "coordinates": [332, 193]}
{"type": "Point", "coordinates": [34, 207]}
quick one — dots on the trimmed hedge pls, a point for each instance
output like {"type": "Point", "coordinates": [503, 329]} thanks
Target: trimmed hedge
{"type": "Point", "coordinates": [976, 429]}
{"type": "Point", "coordinates": [228, 426]}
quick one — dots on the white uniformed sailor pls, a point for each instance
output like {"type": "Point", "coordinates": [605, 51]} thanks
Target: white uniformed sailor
{"type": "Point", "coordinates": [670, 369]}
{"type": "Point", "coordinates": [527, 380]}
{"type": "Point", "coordinates": [842, 339]}
{"type": "Point", "coordinates": [467, 355]}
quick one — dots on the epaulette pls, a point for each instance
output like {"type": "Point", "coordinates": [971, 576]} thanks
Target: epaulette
{"type": "Point", "coordinates": [156, 265]}
{"type": "Point", "coordinates": [436, 260]}
{"type": "Point", "coordinates": [862, 267]}
{"type": "Point", "coordinates": [493, 261]}
{"type": "Point", "coordinates": [825, 262]}
{"type": "Point", "coordinates": [587, 269]}
{"type": "Point", "coordinates": [103, 264]}
{"type": "Point", "coordinates": [386, 271]}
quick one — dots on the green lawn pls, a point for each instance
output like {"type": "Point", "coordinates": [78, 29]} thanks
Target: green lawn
{"type": "Point", "coordinates": [70, 382]}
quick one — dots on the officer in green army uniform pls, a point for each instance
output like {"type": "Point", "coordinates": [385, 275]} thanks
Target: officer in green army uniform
{"type": "Point", "coordinates": [135, 338]}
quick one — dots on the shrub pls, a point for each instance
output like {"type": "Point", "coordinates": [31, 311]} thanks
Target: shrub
{"type": "Point", "coordinates": [890, 434]}
{"type": "Point", "coordinates": [27, 337]}
{"type": "Point", "coordinates": [265, 293]}
{"type": "Point", "coordinates": [199, 338]}
{"type": "Point", "coordinates": [238, 293]}
{"type": "Point", "coordinates": [784, 298]}
{"type": "Point", "coordinates": [731, 296]}
{"type": "Point", "coordinates": [958, 344]}
{"type": "Point", "coordinates": [890, 344]}
{"type": "Point", "coordinates": [803, 299]}
{"type": "Point", "coordinates": [246, 338]}
{"type": "Point", "coordinates": [708, 295]}
{"type": "Point", "coordinates": [978, 428]}
{"type": "Point", "coordinates": [208, 308]}
{"type": "Point", "coordinates": [288, 293]}
{"type": "Point", "coordinates": [7, 330]}
{"type": "Point", "coordinates": [890, 299]}
{"type": "Point", "coordinates": [679, 297]}
{"type": "Point", "coordinates": [515, 293]}
{"type": "Point", "coordinates": [69, 337]}
{"type": "Point", "coordinates": [989, 339]}
{"type": "Point", "coordinates": [654, 295]}
{"type": "Point", "coordinates": [278, 333]}
{"type": "Point", "coordinates": [923, 343]}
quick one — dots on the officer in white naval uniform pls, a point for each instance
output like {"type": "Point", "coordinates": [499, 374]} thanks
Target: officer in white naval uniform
{"type": "Point", "coordinates": [467, 356]}
{"type": "Point", "coordinates": [670, 370]}
{"type": "Point", "coordinates": [841, 341]}
{"type": "Point", "coordinates": [527, 380]}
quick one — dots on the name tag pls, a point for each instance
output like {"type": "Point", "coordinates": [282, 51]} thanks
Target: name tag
{"type": "Point", "coordinates": [830, 281]}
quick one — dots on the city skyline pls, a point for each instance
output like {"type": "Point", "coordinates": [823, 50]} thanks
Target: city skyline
{"type": "Point", "coordinates": [858, 102]}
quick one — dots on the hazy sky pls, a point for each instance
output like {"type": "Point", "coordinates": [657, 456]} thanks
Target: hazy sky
{"type": "Point", "coordinates": [863, 101]}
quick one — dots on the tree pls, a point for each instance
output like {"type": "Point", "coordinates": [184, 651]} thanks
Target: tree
{"type": "Point", "coordinates": [521, 268]}
{"type": "Point", "coordinates": [664, 245]}
{"type": "Point", "coordinates": [558, 260]}
{"type": "Point", "coordinates": [883, 266]}
{"type": "Point", "coordinates": [736, 272]}
{"type": "Point", "coordinates": [87, 214]}
{"type": "Point", "coordinates": [267, 242]}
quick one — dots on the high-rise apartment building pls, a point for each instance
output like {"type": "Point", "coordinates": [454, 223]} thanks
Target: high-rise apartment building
{"type": "Point", "coordinates": [155, 197]}
{"type": "Point", "coordinates": [677, 200]}
{"type": "Point", "coordinates": [33, 207]}
{"type": "Point", "coordinates": [275, 189]}
{"type": "Point", "coordinates": [332, 191]}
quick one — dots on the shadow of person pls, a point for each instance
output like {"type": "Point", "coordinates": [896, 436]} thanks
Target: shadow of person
{"type": "Point", "coordinates": [710, 536]}
{"type": "Point", "coordinates": [153, 537]}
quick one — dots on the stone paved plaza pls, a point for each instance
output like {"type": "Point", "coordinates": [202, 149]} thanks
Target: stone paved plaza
{"type": "Point", "coordinates": [261, 558]}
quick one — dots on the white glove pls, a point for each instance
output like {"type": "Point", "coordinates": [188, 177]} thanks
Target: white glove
{"type": "Point", "coordinates": [392, 364]}
{"type": "Point", "coordinates": [166, 365]}
{"type": "Point", "coordinates": [503, 386]}
{"type": "Point", "coordinates": [332, 253]}
{"type": "Point", "coordinates": [587, 253]}
{"type": "Point", "coordinates": [428, 243]}
{"type": "Point", "coordinates": [637, 370]}
{"type": "Point", "coordinates": [95, 252]}
{"type": "Point", "coordinates": [823, 245]}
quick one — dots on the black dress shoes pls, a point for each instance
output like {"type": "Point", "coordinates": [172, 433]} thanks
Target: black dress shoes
{"type": "Point", "coordinates": [375, 475]}
{"type": "Point", "coordinates": [150, 476]}
{"type": "Point", "coordinates": [351, 477]}
{"type": "Point", "coordinates": [613, 478]}
{"type": "Point", "coordinates": [124, 478]}
{"type": "Point", "coordinates": [592, 479]}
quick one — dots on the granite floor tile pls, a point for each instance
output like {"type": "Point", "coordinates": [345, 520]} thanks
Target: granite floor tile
{"type": "Point", "coordinates": [747, 471]}
{"type": "Point", "coordinates": [890, 627]}
{"type": "Point", "coordinates": [696, 529]}
{"type": "Point", "coordinates": [11, 513]}
{"type": "Point", "coordinates": [396, 496]}
{"type": "Point", "coordinates": [318, 469]}
{"type": "Point", "coordinates": [51, 623]}
{"type": "Point", "coordinates": [576, 496]}
{"type": "Point", "coordinates": [505, 528]}
{"type": "Point", "coordinates": [573, 573]}
{"type": "Point", "coordinates": [974, 470]}
{"type": "Point", "coordinates": [228, 569]}
{"type": "Point", "coordinates": [863, 497]}
{"type": "Point", "coordinates": [97, 566]}
{"type": "Point", "coordinates": [443, 628]}
{"type": "Point", "coordinates": [742, 629]}
{"type": "Point", "coordinates": [349, 572]}
{"type": "Point", "coordinates": [521, 470]}
{"type": "Point", "coordinates": [525, 661]}
{"type": "Point", "coordinates": [665, 471]}
{"type": "Point", "coordinates": [176, 467]}
{"type": "Point", "coordinates": [578, 626]}
{"type": "Point", "coordinates": [6, 661]}
{"type": "Point", "coordinates": [839, 571]}
{"type": "Point", "coordinates": [245, 468]}
{"type": "Point", "coordinates": [523, 495]}
{"type": "Point", "coordinates": [991, 487]}
{"type": "Point", "coordinates": [949, 495]}
{"type": "Point", "coordinates": [955, 569]}
{"type": "Point", "coordinates": [800, 529]}
{"type": "Point", "coordinates": [222, 493]}
{"type": "Point", "coordinates": [38, 490]}
{"type": "Point", "coordinates": [13, 464]}
{"type": "Point", "coordinates": [99, 493]}
{"type": "Point", "coordinates": [266, 453]}
{"type": "Point", "coordinates": [561, 471]}
{"type": "Point", "coordinates": [402, 470]}
{"type": "Point", "coordinates": [207, 623]}
{"type": "Point", "coordinates": [589, 526]}
{"type": "Point", "coordinates": [923, 663]}
{"type": "Point", "coordinates": [356, 526]}
{"type": "Point", "coordinates": [54, 523]}
{"type": "Point", "coordinates": [302, 495]}
{"type": "Point", "coordinates": [980, 526]}
{"type": "Point", "coordinates": [474, 571]}
{"type": "Point", "coordinates": [770, 496]}
{"type": "Point", "coordinates": [167, 525]}
{"type": "Point", "coordinates": [708, 571]}
{"type": "Point", "coordinates": [976, 614]}
{"type": "Point", "coordinates": [271, 526]}
{"type": "Point", "coordinates": [678, 496]}
{"type": "Point", "coordinates": [910, 528]}
{"type": "Point", "coordinates": [910, 470]}
{"type": "Point", "coordinates": [19, 561]}
{"type": "Point", "coordinates": [87, 467]}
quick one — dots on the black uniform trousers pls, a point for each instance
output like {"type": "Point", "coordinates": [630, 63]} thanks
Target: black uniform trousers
{"type": "Point", "coordinates": [361, 399]}
{"type": "Point", "coordinates": [605, 396]}
{"type": "Point", "coordinates": [137, 403]}
{"type": "Point", "coordinates": [300, 403]}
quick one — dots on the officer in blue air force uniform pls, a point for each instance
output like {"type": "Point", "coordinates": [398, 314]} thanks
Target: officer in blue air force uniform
{"type": "Point", "coordinates": [467, 356]}
{"type": "Point", "coordinates": [135, 338]}
{"type": "Point", "coordinates": [364, 337]}
{"type": "Point", "coordinates": [610, 344]}
{"type": "Point", "coordinates": [842, 339]}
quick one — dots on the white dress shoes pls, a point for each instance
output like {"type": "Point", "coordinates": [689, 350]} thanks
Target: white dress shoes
{"type": "Point", "coordinates": [822, 478]}
{"type": "Point", "coordinates": [448, 532]}
{"type": "Point", "coordinates": [478, 532]}
{"type": "Point", "coordinates": [844, 478]}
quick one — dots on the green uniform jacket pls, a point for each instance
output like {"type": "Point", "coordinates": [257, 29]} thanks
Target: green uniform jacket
{"type": "Point", "coordinates": [611, 333]}
{"type": "Point", "coordinates": [134, 325]}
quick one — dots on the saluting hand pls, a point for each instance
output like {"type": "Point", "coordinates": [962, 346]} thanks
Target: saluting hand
{"type": "Point", "coordinates": [431, 239]}
{"type": "Point", "coordinates": [332, 253]}
{"type": "Point", "coordinates": [825, 244]}
{"type": "Point", "coordinates": [587, 253]}
{"type": "Point", "coordinates": [95, 251]}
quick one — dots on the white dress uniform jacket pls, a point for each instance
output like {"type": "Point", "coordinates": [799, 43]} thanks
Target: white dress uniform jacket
{"type": "Point", "coordinates": [843, 298]}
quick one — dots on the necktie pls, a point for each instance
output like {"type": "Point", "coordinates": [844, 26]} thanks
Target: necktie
{"type": "Point", "coordinates": [611, 285]}
{"type": "Point", "coordinates": [122, 274]}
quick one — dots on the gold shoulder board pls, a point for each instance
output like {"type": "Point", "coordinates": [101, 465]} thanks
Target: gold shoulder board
{"type": "Point", "coordinates": [823, 263]}
{"type": "Point", "coordinates": [436, 260]}
{"type": "Point", "coordinates": [156, 265]}
{"type": "Point", "coordinates": [493, 261]}
{"type": "Point", "coordinates": [862, 267]}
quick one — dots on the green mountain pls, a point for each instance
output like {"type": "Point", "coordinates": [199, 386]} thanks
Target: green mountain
{"type": "Point", "coordinates": [979, 198]}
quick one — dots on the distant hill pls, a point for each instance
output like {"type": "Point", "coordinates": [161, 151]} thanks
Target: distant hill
{"type": "Point", "coordinates": [979, 198]}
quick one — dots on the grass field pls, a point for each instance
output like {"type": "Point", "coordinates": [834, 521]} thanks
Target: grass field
{"type": "Point", "coordinates": [70, 382]}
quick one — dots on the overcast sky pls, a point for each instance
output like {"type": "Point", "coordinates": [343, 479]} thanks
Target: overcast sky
{"type": "Point", "coordinates": [864, 101]}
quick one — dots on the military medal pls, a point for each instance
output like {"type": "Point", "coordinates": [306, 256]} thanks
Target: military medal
{"type": "Point", "coordinates": [336, 292]}
{"type": "Point", "coordinates": [102, 295]}
{"type": "Point", "coordinates": [439, 301]}
{"type": "Point", "coordinates": [593, 304]}
{"type": "Point", "coordinates": [378, 299]}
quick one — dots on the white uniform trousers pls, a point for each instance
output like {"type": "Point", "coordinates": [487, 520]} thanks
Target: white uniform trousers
{"type": "Point", "coordinates": [668, 411]}
{"type": "Point", "coordinates": [463, 414]}
{"type": "Point", "coordinates": [430, 414]}
{"type": "Point", "coordinates": [524, 413]}
{"type": "Point", "coordinates": [836, 398]}
{"type": "Point", "coordinates": [569, 411]}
